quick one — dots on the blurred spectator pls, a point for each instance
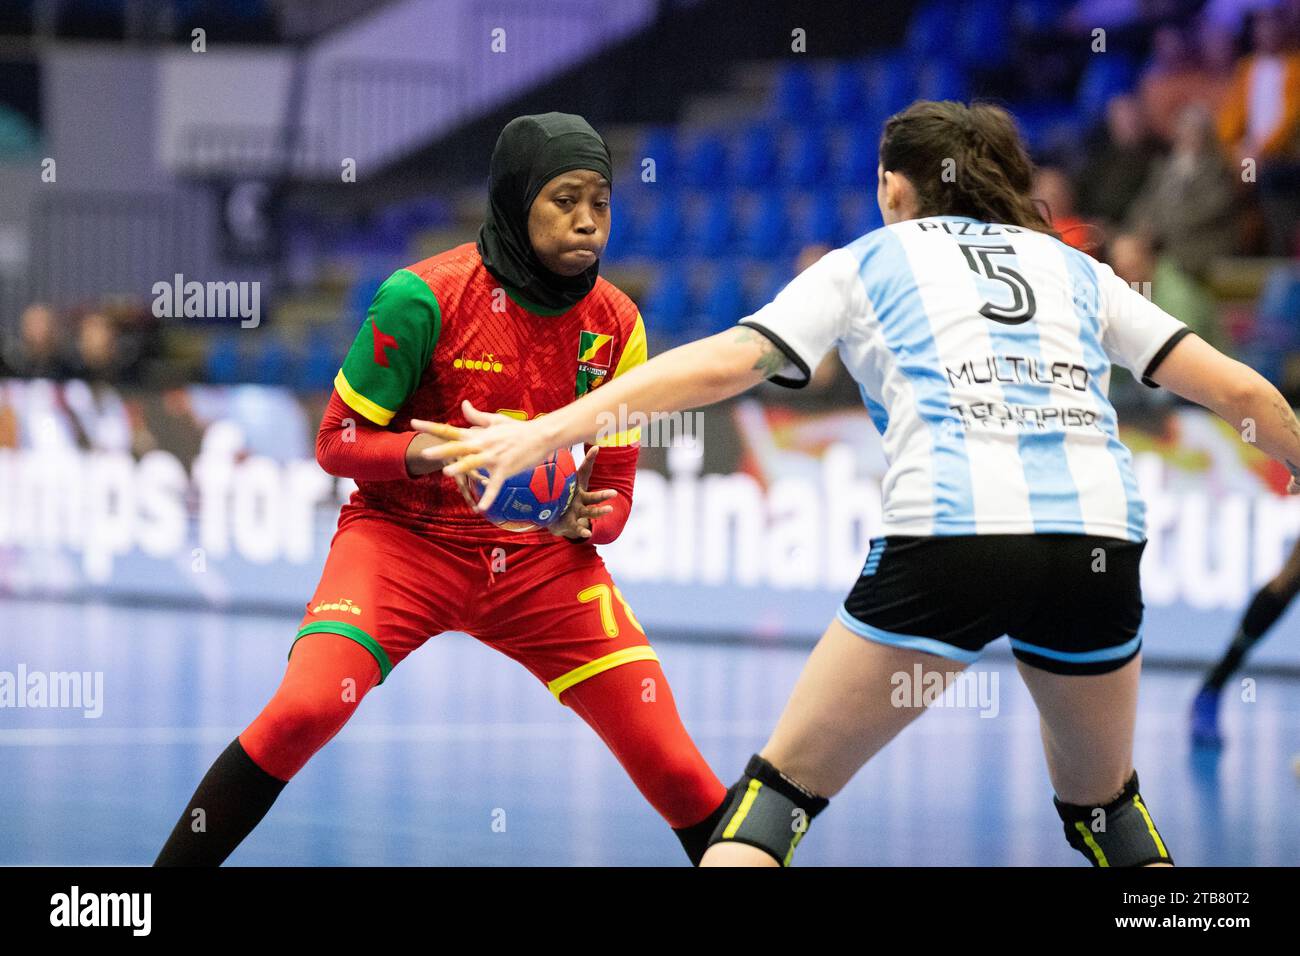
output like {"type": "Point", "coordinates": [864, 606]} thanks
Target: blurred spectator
{"type": "Point", "coordinates": [36, 354]}
{"type": "Point", "coordinates": [1260, 120]}
{"type": "Point", "coordinates": [1117, 163]}
{"type": "Point", "coordinates": [1261, 114]}
{"type": "Point", "coordinates": [98, 357]}
{"type": "Point", "coordinates": [1187, 204]}
{"type": "Point", "coordinates": [1217, 48]}
{"type": "Point", "coordinates": [1087, 15]}
{"type": "Point", "coordinates": [1177, 77]}
{"type": "Point", "coordinates": [1053, 189]}
{"type": "Point", "coordinates": [1135, 260]}
{"type": "Point", "coordinates": [1228, 15]}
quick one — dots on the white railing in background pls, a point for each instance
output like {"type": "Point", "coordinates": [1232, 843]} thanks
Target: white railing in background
{"type": "Point", "coordinates": [377, 88]}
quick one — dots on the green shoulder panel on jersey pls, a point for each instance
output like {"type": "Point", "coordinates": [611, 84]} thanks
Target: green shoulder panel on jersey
{"type": "Point", "coordinates": [393, 348]}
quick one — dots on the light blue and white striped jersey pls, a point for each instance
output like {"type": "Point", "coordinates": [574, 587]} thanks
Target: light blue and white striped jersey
{"type": "Point", "coordinates": [983, 354]}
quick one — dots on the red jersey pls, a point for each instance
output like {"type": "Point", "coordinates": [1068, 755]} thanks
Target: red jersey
{"type": "Point", "coordinates": [445, 329]}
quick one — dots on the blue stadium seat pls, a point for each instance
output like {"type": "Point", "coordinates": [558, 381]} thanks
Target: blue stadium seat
{"type": "Point", "coordinates": [390, 231]}
{"type": "Point", "coordinates": [273, 363]}
{"type": "Point", "coordinates": [1041, 122]}
{"type": "Point", "coordinates": [806, 159]}
{"type": "Point", "coordinates": [622, 229]}
{"type": "Point", "coordinates": [861, 216]}
{"type": "Point", "coordinates": [941, 78]}
{"type": "Point", "coordinates": [362, 293]}
{"type": "Point", "coordinates": [891, 86]}
{"type": "Point", "coordinates": [931, 29]}
{"type": "Point", "coordinates": [984, 32]}
{"type": "Point", "coordinates": [427, 213]}
{"type": "Point", "coordinates": [319, 363]}
{"type": "Point", "coordinates": [766, 231]}
{"type": "Point", "coordinates": [705, 166]}
{"type": "Point", "coordinates": [822, 221]}
{"type": "Point", "coordinates": [1041, 16]}
{"type": "Point", "coordinates": [1277, 323]}
{"type": "Point", "coordinates": [668, 302]}
{"type": "Point", "coordinates": [712, 226]}
{"type": "Point", "coordinates": [662, 230]}
{"type": "Point", "coordinates": [794, 94]}
{"type": "Point", "coordinates": [1104, 77]}
{"type": "Point", "coordinates": [659, 144]}
{"type": "Point", "coordinates": [855, 163]}
{"type": "Point", "coordinates": [221, 364]}
{"type": "Point", "coordinates": [756, 155]}
{"type": "Point", "coordinates": [771, 280]}
{"type": "Point", "coordinates": [845, 92]}
{"type": "Point", "coordinates": [724, 302]}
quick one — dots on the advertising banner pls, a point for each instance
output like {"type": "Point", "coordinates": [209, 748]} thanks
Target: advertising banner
{"type": "Point", "coordinates": [751, 524]}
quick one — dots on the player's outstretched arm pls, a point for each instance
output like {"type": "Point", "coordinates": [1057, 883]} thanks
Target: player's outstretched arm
{"type": "Point", "coordinates": [698, 373]}
{"type": "Point", "coordinates": [1236, 393]}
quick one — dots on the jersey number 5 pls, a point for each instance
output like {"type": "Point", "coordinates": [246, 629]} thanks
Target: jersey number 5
{"type": "Point", "coordinates": [1022, 307]}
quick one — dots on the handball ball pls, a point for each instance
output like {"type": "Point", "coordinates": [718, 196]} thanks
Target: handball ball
{"type": "Point", "coordinates": [534, 498]}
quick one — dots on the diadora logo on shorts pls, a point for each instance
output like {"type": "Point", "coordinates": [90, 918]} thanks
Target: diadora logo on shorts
{"type": "Point", "coordinates": [595, 355]}
{"type": "Point", "coordinates": [347, 607]}
{"type": "Point", "coordinates": [486, 362]}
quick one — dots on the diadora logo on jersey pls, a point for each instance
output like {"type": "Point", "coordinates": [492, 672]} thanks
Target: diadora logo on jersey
{"type": "Point", "coordinates": [486, 362]}
{"type": "Point", "coordinates": [347, 607]}
{"type": "Point", "coordinates": [595, 355]}
{"type": "Point", "coordinates": [382, 341]}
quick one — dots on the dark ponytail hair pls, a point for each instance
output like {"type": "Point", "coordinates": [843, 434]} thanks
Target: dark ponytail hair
{"type": "Point", "coordinates": [991, 172]}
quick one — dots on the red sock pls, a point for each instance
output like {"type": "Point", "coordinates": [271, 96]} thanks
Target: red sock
{"type": "Point", "coordinates": [631, 707]}
{"type": "Point", "coordinates": [327, 676]}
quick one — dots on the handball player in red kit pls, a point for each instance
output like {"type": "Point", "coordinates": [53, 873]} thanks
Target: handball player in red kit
{"type": "Point", "coordinates": [518, 322]}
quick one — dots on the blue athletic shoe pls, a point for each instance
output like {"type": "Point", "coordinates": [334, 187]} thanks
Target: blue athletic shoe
{"type": "Point", "coordinates": [1205, 719]}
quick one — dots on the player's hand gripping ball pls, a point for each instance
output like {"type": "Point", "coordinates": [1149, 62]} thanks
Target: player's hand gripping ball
{"type": "Point", "coordinates": [534, 498]}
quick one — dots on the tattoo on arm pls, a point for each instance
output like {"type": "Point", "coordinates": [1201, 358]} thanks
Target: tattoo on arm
{"type": "Point", "coordinates": [771, 359]}
{"type": "Point", "coordinates": [1293, 428]}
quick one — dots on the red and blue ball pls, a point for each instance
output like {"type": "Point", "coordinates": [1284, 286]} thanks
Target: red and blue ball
{"type": "Point", "coordinates": [534, 498]}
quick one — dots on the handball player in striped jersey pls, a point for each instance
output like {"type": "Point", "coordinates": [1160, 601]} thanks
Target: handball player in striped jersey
{"type": "Point", "coordinates": [983, 346]}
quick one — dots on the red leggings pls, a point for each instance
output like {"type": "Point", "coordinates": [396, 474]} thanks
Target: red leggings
{"type": "Point", "coordinates": [631, 707]}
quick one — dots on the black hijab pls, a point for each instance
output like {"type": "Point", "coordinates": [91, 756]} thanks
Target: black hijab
{"type": "Point", "coordinates": [531, 151]}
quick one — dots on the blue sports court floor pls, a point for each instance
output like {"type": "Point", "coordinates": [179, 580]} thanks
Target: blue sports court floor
{"type": "Point", "coordinates": [459, 738]}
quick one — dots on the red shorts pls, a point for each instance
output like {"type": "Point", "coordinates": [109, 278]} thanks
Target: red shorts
{"type": "Point", "coordinates": [552, 607]}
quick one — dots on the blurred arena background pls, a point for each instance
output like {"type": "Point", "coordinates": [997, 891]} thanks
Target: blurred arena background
{"type": "Point", "coordinates": [162, 518]}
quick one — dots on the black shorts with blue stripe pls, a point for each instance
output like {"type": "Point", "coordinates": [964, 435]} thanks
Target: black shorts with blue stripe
{"type": "Point", "coordinates": [1070, 603]}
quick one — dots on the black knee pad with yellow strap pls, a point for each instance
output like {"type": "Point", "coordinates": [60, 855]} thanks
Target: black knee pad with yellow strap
{"type": "Point", "coordinates": [1119, 833]}
{"type": "Point", "coordinates": [767, 810]}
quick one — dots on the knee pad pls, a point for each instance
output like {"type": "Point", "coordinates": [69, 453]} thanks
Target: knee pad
{"type": "Point", "coordinates": [1119, 833]}
{"type": "Point", "coordinates": [767, 810]}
